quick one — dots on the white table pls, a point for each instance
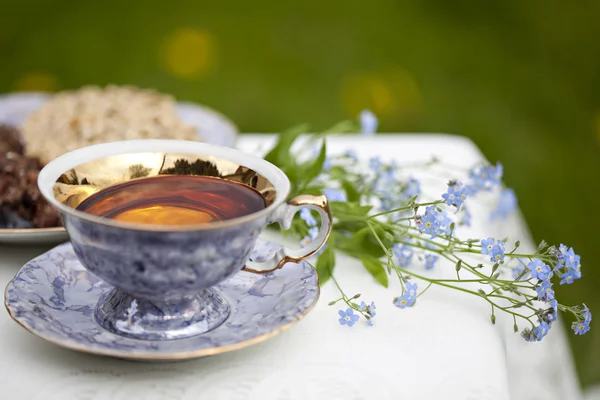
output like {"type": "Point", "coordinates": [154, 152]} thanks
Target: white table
{"type": "Point", "coordinates": [445, 347]}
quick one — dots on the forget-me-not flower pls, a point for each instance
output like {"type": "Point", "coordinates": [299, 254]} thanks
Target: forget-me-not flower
{"type": "Point", "coordinates": [403, 254]}
{"type": "Point", "coordinates": [335, 195]}
{"type": "Point", "coordinates": [582, 327]}
{"type": "Point", "coordinates": [368, 308]}
{"type": "Point", "coordinates": [568, 277]}
{"type": "Point", "coordinates": [570, 263]}
{"type": "Point", "coordinates": [519, 269]}
{"type": "Point", "coordinates": [507, 203]}
{"type": "Point", "coordinates": [409, 296]}
{"type": "Point", "coordinates": [544, 290]}
{"type": "Point", "coordinates": [485, 178]}
{"type": "Point", "coordinates": [456, 194]}
{"type": "Point", "coordinates": [307, 216]}
{"type": "Point", "coordinates": [430, 260]}
{"type": "Point", "coordinates": [348, 317]}
{"type": "Point", "coordinates": [444, 223]}
{"type": "Point", "coordinates": [368, 122]}
{"type": "Point", "coordinates": [429, 222]}
{"type": "Point", "coordinates": [539, 270]}
{"type": "Point", "coordinates": [466, 217]}
{"type": "Point", "coordinates": [493, 248]}
{"type": "Point", "coordinates": [375, 164]}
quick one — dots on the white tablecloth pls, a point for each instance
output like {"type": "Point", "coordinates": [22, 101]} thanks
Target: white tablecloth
{"type": "Point", "coordinates": [444, 347]}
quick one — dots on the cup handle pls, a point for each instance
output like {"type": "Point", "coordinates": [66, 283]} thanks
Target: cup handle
{"type": "Point", "coordinates": [284, 215]}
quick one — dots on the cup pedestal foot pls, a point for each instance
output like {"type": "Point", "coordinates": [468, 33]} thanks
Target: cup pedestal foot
{"type": "Point", "coordinates": [161, 319]}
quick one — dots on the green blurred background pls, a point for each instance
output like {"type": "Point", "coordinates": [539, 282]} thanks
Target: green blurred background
{"type": "Point", "coordinates": [521, 78]}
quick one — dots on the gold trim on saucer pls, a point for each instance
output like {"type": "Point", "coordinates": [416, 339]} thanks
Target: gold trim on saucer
{"type": "Point", "coordinates": [168, 357]}
{"type": "Point", "coordinates": [56, 229]}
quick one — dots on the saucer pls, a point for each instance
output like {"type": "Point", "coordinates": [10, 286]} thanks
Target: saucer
{"type": "Point", "coordinates": [54, 297]}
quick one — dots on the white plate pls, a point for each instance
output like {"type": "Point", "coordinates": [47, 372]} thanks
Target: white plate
{"type": "Point", "coordinates": [212, 127]}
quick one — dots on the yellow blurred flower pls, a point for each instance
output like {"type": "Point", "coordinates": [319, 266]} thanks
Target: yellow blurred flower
{"type": "Point", "coordinates": [38, 81]}
{"type": "Point", "coordinates": [189, 53]}
{"type": "Point", "coordinates": [390, 93]}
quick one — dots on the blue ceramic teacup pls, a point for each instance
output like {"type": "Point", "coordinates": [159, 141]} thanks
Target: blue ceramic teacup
{"type": "Point", "coordinates": [163, 275]}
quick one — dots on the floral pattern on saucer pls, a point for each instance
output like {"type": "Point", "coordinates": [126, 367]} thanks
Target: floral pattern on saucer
{"type": "Point", "coordinates": [54, 297]}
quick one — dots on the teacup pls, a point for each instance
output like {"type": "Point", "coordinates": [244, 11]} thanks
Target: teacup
{"type": "Point", "coordinates": [164, 276]}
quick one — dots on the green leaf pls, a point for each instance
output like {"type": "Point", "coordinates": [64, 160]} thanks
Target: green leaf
{"type": "Point", "coordinates": [325, 265]}
{"type": "Point", "coordinates": [352, 209]}
{"type": "Point", "coordinates": [280, 153]}
{"type": "Point", "coordinates": [347, 126]}
{"type": "Point", "coordinates": [311, 170]}
{"type": "Point", "coordinates": [375, 268]}
{"type": "Point", "coordinates": [351, 193]}
{"type": "Point", "coordinates": [364, 242]}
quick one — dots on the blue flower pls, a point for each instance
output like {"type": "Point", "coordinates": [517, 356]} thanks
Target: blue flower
{"type": "Point", "coordinates": [539, 270]}
{"type": "Point", "coordinates": [444, 223]}
{"type": "Point", "coordinates": [487, 245]}
{"type": "Point", "coordinates": [493, 248]}
{"type": "Point", "coordinates": [562, 249]}
{"type": "Point", "coordinates": [307, 216]}
{"type": "Point", "coordinates": [348, 317]}
{"type": "Point", "coordinates": [428, 223]}
{"type": "Point", "coordinates": [351, 154]}
{"type": "Point", "coordinates": [527, 334]}
{"type": "Point", "coordinates": [306, 241]}
{"type": "Point", "coordinates": [375, 164]}
{"type": "Point", "coordinates": [541, 330]}
{"type": "Point", "coordinates": [313, 232]}
{"type": "Point", "coordinates": [568, 277]}
{"type": "Point", "coordinates": [544, 290]}
{"type": "Point", "coordinates": [430, 260]}
{"type": "Point", "coordinates": [570, 263]}
{"type": "Point", "coordinates": [587, 314]}
{"type": "Point", "coordinates": [466, 217]}
{"type": "Point", "coordinates": [537, 334]}
{"type": "Point", "coordinates": [569, 259]}
{"type": "Point", "coordinates": [552, 312]}
{"type": "Point", "coordinates": [413, 188]}
{"type": "Point", "coordinates": [327, 164]}
{"type": "Point", "coordinates": [387, 200]}
{"type": "Point", "coordinates": [517, 271]}
{"type": "Point", "coordinates": [456, 194]}
{"type": "Point", "coordinates": [411, 289]}
{"type": "Point", "coordinates": [580, 328]}
{"type": "Point", "coordinates": [429, 245]}
{"type": "Point", "coordinates": [497, 252]}
{"type": "Point", "coordinates": [485, 178]}
{"type": "Point", "coordinates": [369, 309]}
{"type": "Point", "coordinates": [335, 195]}
{"type": "Point", "coordinates": [409, 296]}
{"type": "Point", "coordinates": [507, 204]}
{"type": "Point", "coordinates": [368, 123]}
{"type": "Point", "coordinates": [403, 254]}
